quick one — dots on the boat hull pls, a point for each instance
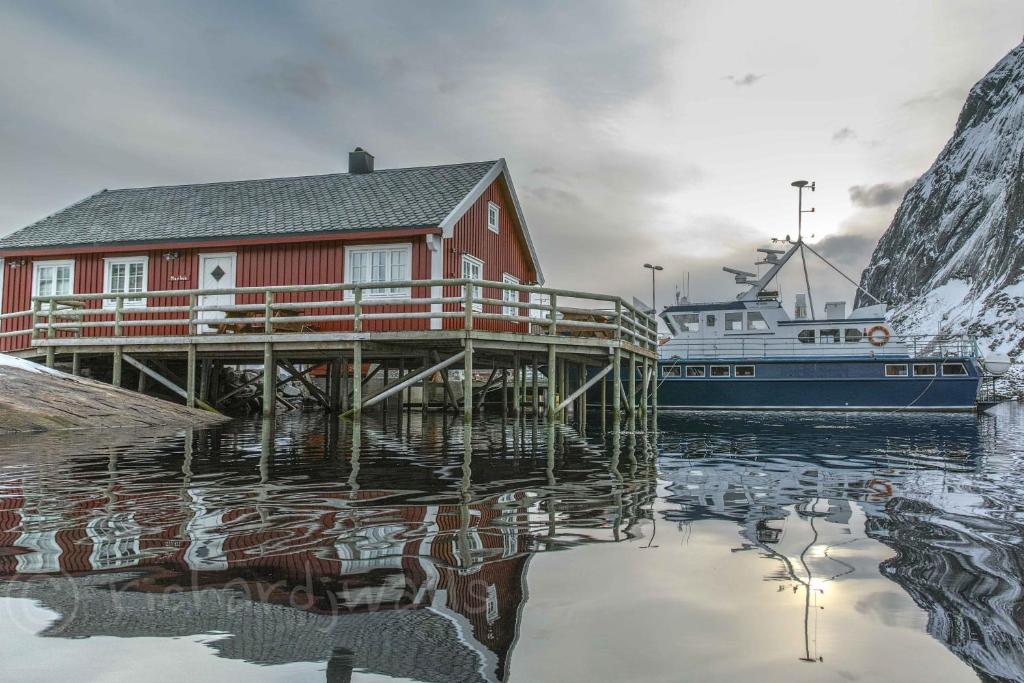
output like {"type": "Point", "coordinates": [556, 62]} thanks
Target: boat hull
{"type": "Point", "coordinates": [841, 384]}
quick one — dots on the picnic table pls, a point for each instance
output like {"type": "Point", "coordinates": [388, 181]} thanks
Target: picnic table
{"type": "Point", "coordinates": [237, 322]}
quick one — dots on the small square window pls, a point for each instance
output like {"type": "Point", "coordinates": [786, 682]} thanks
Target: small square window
{"type": "Point", "coordinates": [896, 370]}
{"type": "Point", "coordinates": [694, 370]}
{"type": "Point", "coordinates": [688, 322]}
{"type": "Point", "coordinates": [710, 320]}
{"type": "Point", "coordinates": [744, 370]}
{"type": "Point", "coordinates": [924, 369]}
{"type": "Point", "coordinates": [853, 335]}
{"type": "Point", "coordinates": [828, 337]}
{"type": "Point", "coordinates": [953, 369]}
{"type": "Point", "coordinates": [672, 371]}
{"type": "Point", "coordinates": [493, 217]}
{"type": "Point", "coordinates": [733, 322]}
{"type": "Point", "coordinates": [719, 370]}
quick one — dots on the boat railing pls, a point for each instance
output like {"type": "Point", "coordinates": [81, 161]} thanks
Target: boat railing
{"type": "Point", "coordinates": [912, 346]}
{"type": "Point", "coordinates": [449, 304]}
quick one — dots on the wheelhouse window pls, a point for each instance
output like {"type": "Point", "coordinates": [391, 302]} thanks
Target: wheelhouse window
{"type": "Point", "coordinates": [53, 278]}
{"type": "Point", "coordinates": [709, 320]}
{"type": "Point", "coordinates": [379, 263]}
{"type": "Point", "coordinates": [853, 335]}
{"type": "Point", "coordinates": [125, 276]}
{"type": "Point", "coordinates": [806, 336]}
{"type": "Point", "coordinates": [694, 370]}
{"type": "Point", "coordinates": [510, 295]}
{"type": "Point", "coordinates": [473, 269]}
{"type": "Point", "coordinates": [733, 322]}
{"type": "Point", "coordinates": [924, 369]}
{"type": "Point", "coordinates": [828, 337]}
{"type": "Point", "coordinates": [672, 371]}
{"type": "Point", "coordinates": [756, 321]}
{"type": "Point", "coordinates": [688, 322]}
{"type": "Point", "coordinates": [953, 369]}
{"type": "Point", "coordinates": [744, 371]}
{"type": "Point", "coordinates": [493, 217]}
{"type": "Point", "coordinates": [719, 370]}
{"type": "Point", "coordinates": [895, 370]}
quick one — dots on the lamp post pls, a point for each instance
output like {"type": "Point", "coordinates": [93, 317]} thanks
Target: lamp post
{"type": "Point", "coordinates": [654, 269]}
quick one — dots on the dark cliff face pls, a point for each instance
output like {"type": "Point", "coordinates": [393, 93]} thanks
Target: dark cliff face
{"type": "Point", "coordinates": [953, 256]}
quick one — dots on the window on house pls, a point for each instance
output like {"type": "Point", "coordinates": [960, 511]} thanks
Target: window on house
{"type": "Point", "coordinates": [493, 217]}
{"type": "Point", "coordinates": [756, 321]}
{"type": "Point", "coordinates": [510, 295]}
{"type": "Point", "coordinates": [688, 322]}
{"type": "Point", "coordinates": [744, 371]}
{"type": "Point", "coordinates": [126, 276]}
{"type": "Point", "coordinates": [381, 263]}
{"type": "Point", "coordinates": [671, 371]}
{"type": "Point", "coordinates": [953, 369]}
{"type": "Point", "coordinates": [896, 370]}
{"type": "Point", "coordinates": [694, 370]}
{"type": "Point", "coordinates": [829, 337]}
{"type": "Point", "coordinates": [806, 336]}
{"type": "Point", "coordinates": [473, 269]}
{"type": "Point", "coordinates": [733, 322]}
{"type": "Point", "coordinates": [719, 370]}
{"type": "Point", "coordinates": [924, 369]}
{"type": "Point", "coordinates": [53, 278]}
{"type": "Point", "coordinates": [710, 320]}
{"type": "Point", "coordinates": [853, 335]}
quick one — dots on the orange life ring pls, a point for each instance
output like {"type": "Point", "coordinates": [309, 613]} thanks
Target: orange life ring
{"type": "Point", "coordinates": [879, 335]}
{"type": "Point", "coordinates": [879, 489]}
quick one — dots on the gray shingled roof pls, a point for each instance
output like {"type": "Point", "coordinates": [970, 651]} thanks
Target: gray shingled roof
{"type": "Point", "coordinates": [389, 198]}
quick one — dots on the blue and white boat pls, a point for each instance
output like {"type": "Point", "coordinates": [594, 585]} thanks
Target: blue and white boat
{"type": "Point", "coordinates": [749, 353]}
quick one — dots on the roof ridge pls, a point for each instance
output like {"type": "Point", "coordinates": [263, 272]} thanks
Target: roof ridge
{"type": "Point", "coordinates": [296, 177]}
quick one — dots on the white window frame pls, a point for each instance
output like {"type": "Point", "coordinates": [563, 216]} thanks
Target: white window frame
{"type": "Point", "coordinates": [963, 367]}
{"type": "Point", "coordinates": [675, 371]}
{"type": "Point", "coordinates": [36, 265]}
{"type": "Point", "coordinates": [727, 375]}
{"type": "Point", "coordinates": [478, 291]}
{"type": "Point", "coordinates": [753, 371]}
{"type": "Point", "coordinates": [703, 372]}
{"type": "Point", "coordinates": [128, 303]}
{"type": "Point", "coordinates": [388, 292]}
{"type": "Point", "coordinates": [915, 366]}
{"type": "Point", "coordinates": [510, 295]}
{"type": "Point", "coordinates": [906, 370]}
{"type": "Point", "coordinates": [494, 227]}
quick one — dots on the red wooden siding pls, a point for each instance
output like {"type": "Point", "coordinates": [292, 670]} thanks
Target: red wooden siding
{"type": "Point", "coordinates": [314, 261]}
{"type": "Point", "coordinates": [504, 252]}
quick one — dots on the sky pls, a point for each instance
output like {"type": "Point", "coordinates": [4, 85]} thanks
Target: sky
{"type": "Point", "coordinates": [646, 131]}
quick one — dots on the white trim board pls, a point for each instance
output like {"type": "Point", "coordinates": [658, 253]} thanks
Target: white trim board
{"type": "Point", "coordinates": [500, 168]}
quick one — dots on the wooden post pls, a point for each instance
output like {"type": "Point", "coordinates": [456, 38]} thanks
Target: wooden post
{"type": "Point", "coordinates": [269, 380]}
{"type": "Point", "coordinates": [51, 333]}
{"type": "Point", "coordinates": [583, 398]}
{"type": "Point", "coordinates": [467, 385]}
{"type": "Point", "coordinates": [190, 377]}
{"type": "Point", "coordinates": [654, 388]}
{"type": "Point", "coordinates": [535, 399]}
{"type": "Point", "coordinates": [563, 384]}
{"type": "Point", "coordinates": [334, 385]}
{"type": "Point", "coordinates": [76, 364]}
{"type": "Point", "coordinates": [646, 384]}
{"type": "Point", "coordinates": [552, 384]}
{"type": "Point", "coordinates": [193, 301]}
{"type": "Point", "coordinates": [357, 379]}
{"type": "Point", "coordinates": [205, 370]}
{"type": "Point", "coordinates": [268, 313]}
{"type": "Point", "coordinates": [504, 392]}
{"type": "Point", "coordinates": [141, 387]}
{"type": "Point", "coordinates": [516, 383]}
{"type": "Point", "coordinates": [344, 384]}
{"type": "Point", "coordinates": [604, 404]}
{"type": "Point", "coordinates": [553, 313]}
{"type": "Point", "coordinates": [617, 389]}
{"type": "Point", "coordinates": [425, 390]}
{"type": "Point", "coordinates": [631, 397]}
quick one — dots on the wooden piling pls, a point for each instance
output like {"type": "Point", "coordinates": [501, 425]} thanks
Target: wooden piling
{"type": "Point", "coordinates": [118, 365]}
{"type": "Point", "coordinates": [617, 388]}
{"type": "Point", "coordinates": [552, 385]}
{"type": "Point", "coordinates": [357, 380]}
{"type": "Point", "coordinates": [535, 399]}
{"type": "Point", "coordinates": [269, 381]}
{"type": "Point", "coordinates": [516, 379]}
{"type": "Point", "coordinates": [467, 384]}
{"type": "Point", "coordinates": [190, 376]}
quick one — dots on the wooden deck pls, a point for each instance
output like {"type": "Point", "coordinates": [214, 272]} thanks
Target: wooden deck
{"type": "Point", "coordinates": [575, 338]}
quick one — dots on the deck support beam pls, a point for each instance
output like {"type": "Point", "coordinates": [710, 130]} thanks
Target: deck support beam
{"type": "Point", "coordinates": [141, 367]}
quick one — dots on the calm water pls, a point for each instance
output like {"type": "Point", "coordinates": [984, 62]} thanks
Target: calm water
{"type": "Point", "coordinates": [720, 547]}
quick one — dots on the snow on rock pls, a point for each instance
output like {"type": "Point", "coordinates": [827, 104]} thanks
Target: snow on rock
{"type": "Point", "coordinates": [21, 364]}
{"type": "Point", "coordinates": [953, 257]}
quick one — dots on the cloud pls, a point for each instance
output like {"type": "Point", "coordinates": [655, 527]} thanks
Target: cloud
{"type": "Point", "coordinates": [952, 95]}
{"type": "Point", "coordinates": [307, 80]}
{"type": "Point", "coordinates": [879, 194]}
{"type": "Point", "coordinates": [745, 80]}
{"type": "Point", "coordinates": [843, 134]}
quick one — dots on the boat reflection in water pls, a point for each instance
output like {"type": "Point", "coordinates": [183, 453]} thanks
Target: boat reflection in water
{"type": "Point", "coordinates": [403, 549]}
{"type": "Point", "coordinates": [943, 492]}
{"type": "Point", "coordinates": [413, 566]}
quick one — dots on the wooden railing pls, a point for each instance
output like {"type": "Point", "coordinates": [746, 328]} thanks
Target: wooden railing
{"type": "Point", "coordinates": [590, 315]}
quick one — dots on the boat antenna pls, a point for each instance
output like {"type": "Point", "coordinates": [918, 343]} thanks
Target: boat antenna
{"type": "Point", "coordinates": [800, 185]}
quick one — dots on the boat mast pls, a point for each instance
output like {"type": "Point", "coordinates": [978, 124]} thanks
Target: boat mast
{"type": "Point", "coordinates": [800, 185]}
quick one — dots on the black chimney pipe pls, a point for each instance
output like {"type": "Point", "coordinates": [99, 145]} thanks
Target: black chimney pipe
{"type": "Point", "coordinates": [360, 161]}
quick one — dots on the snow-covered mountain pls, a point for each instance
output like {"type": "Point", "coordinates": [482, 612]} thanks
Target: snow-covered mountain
{"type": "Point", "coordinates": [953, 257]}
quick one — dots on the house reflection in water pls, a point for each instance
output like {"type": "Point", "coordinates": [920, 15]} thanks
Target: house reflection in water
{"type": "Point", "coordinates": [412, 566]}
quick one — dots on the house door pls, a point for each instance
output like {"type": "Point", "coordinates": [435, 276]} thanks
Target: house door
{"type": "Point", "coordinates": [216, 271]}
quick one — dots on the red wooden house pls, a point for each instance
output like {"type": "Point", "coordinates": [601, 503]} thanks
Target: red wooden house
{"type": "Point", "coordinates": [451, 221]}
